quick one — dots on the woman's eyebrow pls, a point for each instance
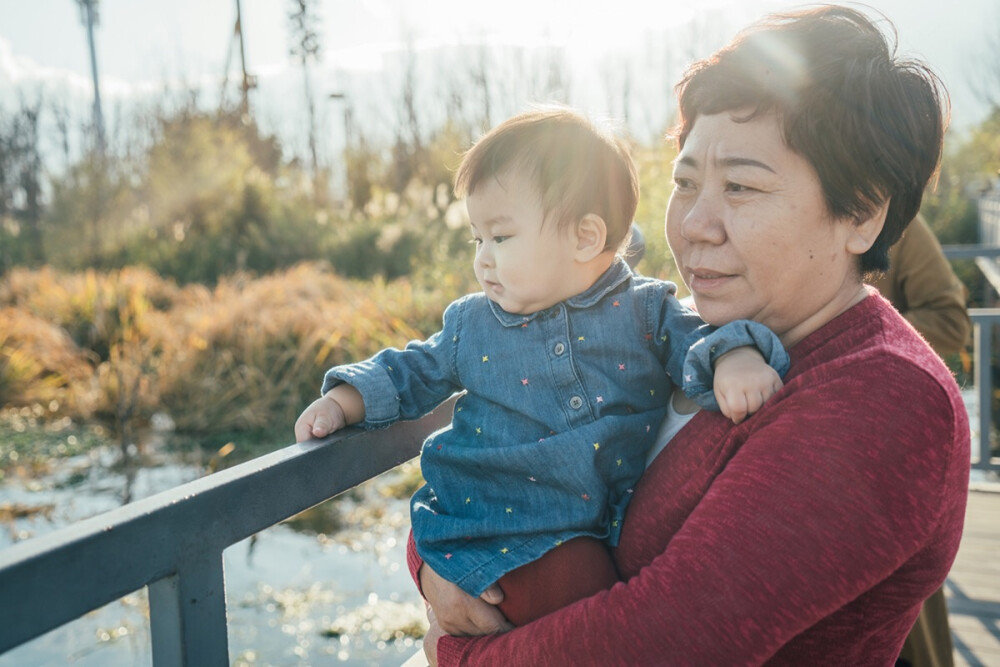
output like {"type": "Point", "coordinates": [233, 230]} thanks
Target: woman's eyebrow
{"type": "Point", "coordinates": [689, 161]}
{"type": "Point", "coordinates": [744, 162]}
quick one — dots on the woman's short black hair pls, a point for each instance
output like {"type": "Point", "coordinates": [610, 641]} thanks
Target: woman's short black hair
{"type": "Point", "coordinates": [871, 124]}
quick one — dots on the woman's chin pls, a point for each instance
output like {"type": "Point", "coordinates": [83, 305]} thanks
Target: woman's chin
{"type": "Point", "coordinates": [716, 312]}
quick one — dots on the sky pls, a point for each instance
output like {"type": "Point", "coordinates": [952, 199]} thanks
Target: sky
{"type": "Point", "coordinates": [144, 46]}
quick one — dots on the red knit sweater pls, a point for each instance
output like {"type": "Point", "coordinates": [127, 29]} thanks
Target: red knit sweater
{"type": "Point", "coordinates": [809, 534]}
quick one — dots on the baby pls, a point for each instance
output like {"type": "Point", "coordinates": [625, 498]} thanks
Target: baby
{"type": "Point", "coordinates": [567, 360]}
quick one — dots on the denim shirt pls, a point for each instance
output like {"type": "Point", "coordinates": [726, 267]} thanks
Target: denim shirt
{"type": "Point", "coordinates": [559, 409]}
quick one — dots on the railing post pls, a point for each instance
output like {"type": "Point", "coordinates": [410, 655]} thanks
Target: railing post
{"type": "Point", "coordinates": [984, 384]}
{"type": "Point", "coordinates": [187, 615]}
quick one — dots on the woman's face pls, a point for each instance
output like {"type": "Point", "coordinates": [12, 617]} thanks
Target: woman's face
{"type": "Point", "coordinates": [751, 233]}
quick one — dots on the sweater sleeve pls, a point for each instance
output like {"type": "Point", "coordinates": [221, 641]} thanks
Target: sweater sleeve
{"type": "Point", "coordinates": [819, 503]}
{"type": "Point", "coordinates": [414, 561]}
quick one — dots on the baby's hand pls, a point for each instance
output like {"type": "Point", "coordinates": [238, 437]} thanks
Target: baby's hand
{"type": "Point", "coordinates": [321, 418]}
{"type": "Point", "coordinates": [743, 382]}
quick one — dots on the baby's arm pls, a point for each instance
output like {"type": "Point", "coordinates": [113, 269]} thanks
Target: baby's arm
{"type": "Point", "coordinates": [337, 408]}
{"type": "Point", "coordinates": [392, 385]}
{"type": "Point", "coordinates": [743, 382]}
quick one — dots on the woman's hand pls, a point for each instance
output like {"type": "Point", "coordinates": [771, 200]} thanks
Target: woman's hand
{"type": "Point", "coordinates": [434, 633]}
{"type": "Point", "coordinates": [456, 612]}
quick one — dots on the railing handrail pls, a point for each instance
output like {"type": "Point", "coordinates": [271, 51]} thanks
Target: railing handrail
{"type": "Point", "coordinates": [173, 541]}
{"type": "Point", "coordinates": [970, 251]}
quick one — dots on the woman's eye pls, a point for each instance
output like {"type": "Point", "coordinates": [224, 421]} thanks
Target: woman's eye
{"type": "Point", "coordinates": [737, 187]}
{"type": "Point", "coordinates": [682, 183]}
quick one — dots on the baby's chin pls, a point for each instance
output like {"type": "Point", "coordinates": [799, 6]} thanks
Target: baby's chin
{"type": "Point", "coordinates": [518, 308]}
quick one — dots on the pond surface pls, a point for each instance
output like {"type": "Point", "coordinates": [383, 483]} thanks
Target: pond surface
{"type": "Point", "coordinates": [329, 587]}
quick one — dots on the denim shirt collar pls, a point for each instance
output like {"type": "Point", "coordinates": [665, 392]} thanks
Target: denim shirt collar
{"type": "Point", "coordinates": [616, 274]}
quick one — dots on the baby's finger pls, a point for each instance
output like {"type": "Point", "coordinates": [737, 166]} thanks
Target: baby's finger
{"type": "Point", "coordinates": [720, 398]}
{"type": "Point", "coordinates": [321, 426]}
{"type": "Point", "coordinates": [303, 431]}
{"type": "Point", "coordinates": [737, 409]}
{"type": "Point", "coordinates": [746, 406]}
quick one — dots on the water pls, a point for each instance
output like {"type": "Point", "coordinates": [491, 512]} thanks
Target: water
{"type": "Point", "coordinates": [329, 588]}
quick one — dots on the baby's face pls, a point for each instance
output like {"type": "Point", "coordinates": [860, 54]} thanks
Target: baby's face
{"type": "Point", "coordinates": [522, 261]}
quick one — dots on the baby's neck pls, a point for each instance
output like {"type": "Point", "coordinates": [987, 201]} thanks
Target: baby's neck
{"type": "Point", "coordinates": [590, 272]}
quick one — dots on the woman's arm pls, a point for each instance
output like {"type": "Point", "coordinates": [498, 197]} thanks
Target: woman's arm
{"type": "Point", "coordinates": [814, 503]}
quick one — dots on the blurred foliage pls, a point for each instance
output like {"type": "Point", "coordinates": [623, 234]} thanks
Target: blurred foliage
{"type": "Point", "coordinates": [655, 168]}
{"type": "Point", "coordinates": [970, 167]}
{"type": "Point", "coordinates": [41, 365]}
{"type": "Point", "coordinates": [195, 272]}
{"type": "Point", "coordinates": [244, 355]}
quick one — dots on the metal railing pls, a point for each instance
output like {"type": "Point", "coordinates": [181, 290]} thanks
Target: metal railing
{"type": "Point", "coordinates": [984, 321]}
{"type": "Point", "coordinates": [172, 542]}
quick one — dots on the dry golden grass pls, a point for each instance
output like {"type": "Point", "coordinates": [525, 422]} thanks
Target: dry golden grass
{"type": "Point", "coordinates": [40, 364]}
{"type": "Point", "coordinates": [248, 354]}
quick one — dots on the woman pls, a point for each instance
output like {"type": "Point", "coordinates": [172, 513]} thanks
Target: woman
{"type": "Point", "coordinates": [812, 532]}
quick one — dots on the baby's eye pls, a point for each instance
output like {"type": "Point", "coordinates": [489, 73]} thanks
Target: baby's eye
{"type": "Point", "coordinates": [476, 240]}
{"type": "Point", "coordinates": [500, 239]}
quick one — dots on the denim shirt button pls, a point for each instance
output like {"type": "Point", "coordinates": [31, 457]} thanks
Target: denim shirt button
{"type": "Point", "coordinates": [576, 402]}
{"type": "Point", "coordinates": [559, 349]}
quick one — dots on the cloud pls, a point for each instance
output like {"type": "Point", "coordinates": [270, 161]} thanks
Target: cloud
{"type": "Point", "coordinates": [21, 76]}
{"type": "Point", "coordinates": [21, 73]}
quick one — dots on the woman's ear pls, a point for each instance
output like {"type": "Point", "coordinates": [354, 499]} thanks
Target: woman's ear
{"type": "Point", "coordinates": [864, 231]}
{"type": "Point", "coordinates": [591, 237]}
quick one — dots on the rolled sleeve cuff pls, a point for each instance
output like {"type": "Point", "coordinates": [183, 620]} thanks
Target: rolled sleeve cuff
{"type": "Point", "coordinates": [700, 361]}
{"type": "Point", "coordinates": [376, 388]}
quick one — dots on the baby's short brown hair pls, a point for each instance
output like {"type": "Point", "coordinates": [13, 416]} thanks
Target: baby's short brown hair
{"type": "Point", "coordinates": [576, 168]}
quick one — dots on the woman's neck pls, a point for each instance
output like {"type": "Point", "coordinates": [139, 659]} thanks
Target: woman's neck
{"type": "Point", "coordinates": [843, 301]}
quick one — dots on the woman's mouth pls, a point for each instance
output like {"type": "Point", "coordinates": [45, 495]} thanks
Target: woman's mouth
{"type": "Point", "coordinates": [706, 279]}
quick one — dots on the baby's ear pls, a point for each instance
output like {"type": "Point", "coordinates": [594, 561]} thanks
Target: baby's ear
{"type": "Point", "coordinates": [591, 237]}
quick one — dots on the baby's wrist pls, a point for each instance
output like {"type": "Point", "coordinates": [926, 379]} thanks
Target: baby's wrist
{"type": "Point", "coordinates": [348, 401]}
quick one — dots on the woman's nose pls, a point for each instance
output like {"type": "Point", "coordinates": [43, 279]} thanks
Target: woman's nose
{"type": "Point", "coordinates": [702, 221]}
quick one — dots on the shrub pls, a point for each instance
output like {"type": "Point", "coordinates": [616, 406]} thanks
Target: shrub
{"type": "Point", "coordinates": [247, 355]}
{"type": "Point", "coordinates": [40, 364]}
{"type": "Point", "coordinates": [253, 352]}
